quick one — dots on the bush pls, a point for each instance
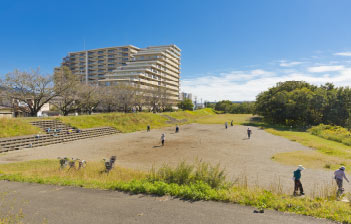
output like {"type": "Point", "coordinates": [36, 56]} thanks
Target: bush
{"type": "Point", "coordinates": [185, 173]}
{"type": "Point", "coordinates": [331, 132]}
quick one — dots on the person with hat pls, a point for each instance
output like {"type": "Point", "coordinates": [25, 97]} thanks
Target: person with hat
{"type": "Point", "coordinates": [297, 180]}
{"type": "Point", "coordinates": [339, 176]}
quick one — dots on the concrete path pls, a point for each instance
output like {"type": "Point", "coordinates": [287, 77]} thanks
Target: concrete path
{"type": "Point", "coordinates": [55, 204]}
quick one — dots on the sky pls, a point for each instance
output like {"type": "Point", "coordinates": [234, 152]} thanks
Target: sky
{"type": "Point", "coordinates": [231, 50]}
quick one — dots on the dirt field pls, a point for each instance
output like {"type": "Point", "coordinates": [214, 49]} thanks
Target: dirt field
{"type": "Point", "coordinates": [231, 148]}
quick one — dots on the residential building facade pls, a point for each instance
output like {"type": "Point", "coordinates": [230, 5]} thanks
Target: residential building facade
{"type": "Point", "coordinates": [92, 65]}
{"type": "Point", "coordinates": [156, 67]}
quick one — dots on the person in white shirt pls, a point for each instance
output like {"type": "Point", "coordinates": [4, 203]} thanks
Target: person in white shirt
{"type": "Point", "coordinates": [339, 176]}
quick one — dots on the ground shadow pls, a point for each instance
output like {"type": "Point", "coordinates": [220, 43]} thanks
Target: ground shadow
{"type": "Point", "coordinates": [156, 146]}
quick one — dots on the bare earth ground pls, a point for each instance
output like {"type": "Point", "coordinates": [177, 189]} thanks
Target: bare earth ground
{"type": "Point", "coordinates": [231, 148]}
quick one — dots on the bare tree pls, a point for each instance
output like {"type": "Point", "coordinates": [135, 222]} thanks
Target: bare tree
{"type": "Point", "coordinates": [66, 85]}
{"type": "Point", "coordinates": [89, 97]}
{"type": "Point", "coordinates": [30, 88]}
{"type": "Point", "coordinates": [109, 98]}
{"type": "Point", "coordinates": [126, 96]}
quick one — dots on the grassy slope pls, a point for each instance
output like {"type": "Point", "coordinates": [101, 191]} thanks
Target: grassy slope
{"type": "Point", "coordinates": [129, 122]}
{"type": "Point", "coordinates": [328, 154]}
{"type": "Point", "coordinates": [16, 127]}
{"type": "Point", "coordinates": [138, 121]}
{"type": "Point", "coordinates": [48, 172]}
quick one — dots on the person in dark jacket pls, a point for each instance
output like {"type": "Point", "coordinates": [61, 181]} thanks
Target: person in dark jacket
{"type": "Point", "coordinates": [297, 180]}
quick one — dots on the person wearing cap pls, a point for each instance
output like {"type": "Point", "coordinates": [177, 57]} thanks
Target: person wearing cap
{"type": "Point", "coordinates": [339, 176]}
{"type": "Point", "coordinates": [297, 180]}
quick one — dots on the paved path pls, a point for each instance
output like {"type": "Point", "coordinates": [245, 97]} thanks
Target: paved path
{"type": "Point", "coordinates": [57, 204]}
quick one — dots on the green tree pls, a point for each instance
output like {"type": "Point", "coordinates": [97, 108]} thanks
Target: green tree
{"type": "Point", "coordinates": [186, 104]}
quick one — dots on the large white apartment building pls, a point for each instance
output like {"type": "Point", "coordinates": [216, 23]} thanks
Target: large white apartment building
{"type": "Point", "coordinates": [150, 67]}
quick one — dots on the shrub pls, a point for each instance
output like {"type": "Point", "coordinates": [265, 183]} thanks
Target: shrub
{"type": "Point", "coordinates": [185, 173]}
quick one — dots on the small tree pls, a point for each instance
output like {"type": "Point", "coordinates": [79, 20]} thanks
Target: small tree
{"type": "Point", "coordinates": [186, 104]}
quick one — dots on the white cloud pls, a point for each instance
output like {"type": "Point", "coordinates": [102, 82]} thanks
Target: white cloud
{"type": "Point", "coordinates": [243, 85]}
{"type": "Point", "coordinates": [326, 68]}
{"type": "Point", "coordinates": [290, 64]}
{"type": "Point", "coordinates": [346, 53]}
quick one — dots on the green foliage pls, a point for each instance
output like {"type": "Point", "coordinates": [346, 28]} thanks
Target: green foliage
{"type": "Point", "coordinates": [331, 132]}
{"type": "Point", "coordinates": [186, 104]}
{"type": "Point", "coordinates": [235, 108]}
{"type": "Point", "coordinates": [297, 103]}
{"type": "Point", "coordinates": [186, 174]}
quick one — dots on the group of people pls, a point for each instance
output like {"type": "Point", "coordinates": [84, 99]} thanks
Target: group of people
{"type": "Point", "coordinates": [339, 176]}
{"type": "Point", "coordinates": [163, 136]}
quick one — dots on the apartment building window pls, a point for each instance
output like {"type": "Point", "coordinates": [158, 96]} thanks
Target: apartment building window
{"type": "Point", "coordinates": [111, 65]}
{"type": "Point", "coordinates": [111, 51]}
{"type": "Point", "coordinates": [101, 66]}
{"type": "Point", "coordinates": [111, 56]}
{"type": "Point", "coordinates": [82, 63]}
{"type": "Point", "coordinates": [81, 68]}
{"type": "Point", "coordinates": [100, 52]}
{"type": "Point", "coordinates": [124, 59]}
{"type": "Point", "coordinates": [111, 60]}
{"type": "Point", "coordinates": [126, 54]}
{"type": "Point", "coordinates": [124, 49]}
{"type": "Point", "coordinates": [101, 56]}
{"type": "Point", "coordinates": [101, 70]}
{"type": "Point", "coordinates": [111, 69]}
{"type": "Point", "coordinates": [90, 62]}
{"type": "Point", "coordinates": [82, 54]}
{"type": "Point", "coordinates": [101, 61]}
{"type": "Point", "coordinates": [90, 53]}
{"type": "Point", "coordinates": [81, 59]}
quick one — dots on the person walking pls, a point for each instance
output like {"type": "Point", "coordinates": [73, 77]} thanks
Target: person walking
{"type": "Point", "coordinates": [297, 180]}
{"type": "Point", "coordinates": [177, 129]}
{"type": "Point", "coordinates": [148, 128]}
{"type": "Point", "coordinates": [163, 138]}
{"type": "Point", "coordinates": [226, 125]}
{"type": "Point", "coordinates": [231, 123]}
{"type": "Point", "coordinates": [339, 176]}
{"type": "Point", "coordinates": [249, 132]}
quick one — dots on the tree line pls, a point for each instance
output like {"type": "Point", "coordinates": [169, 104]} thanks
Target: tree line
{"type": "Point", "coordinates": [68, 95]}
{"type": "Point", "coordinates": [298, 103]}
{"type": "Point", "coordinates": [228, 106]}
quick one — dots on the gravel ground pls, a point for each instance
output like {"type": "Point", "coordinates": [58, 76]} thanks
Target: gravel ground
{"type": "Point", "coordinates": [231, 148]}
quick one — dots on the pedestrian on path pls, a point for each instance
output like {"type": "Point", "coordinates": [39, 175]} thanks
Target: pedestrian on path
{"type": "Point", "coordinates": [249, 132]}
{"type": "Point", "coordinates": [163, 138]}
{"type": "Point", "coordinates": [148, 128]}
{"type": "Point", "coordinates": [297, 180]}
{"type": "Point", "coordinates": [231, 123]}
{"type": "Point", "coordinates": [339, 176]}
{"type": "Point", "coordinates": [177, 129]}
{"type": "Point", "coordinates": [226, 125]}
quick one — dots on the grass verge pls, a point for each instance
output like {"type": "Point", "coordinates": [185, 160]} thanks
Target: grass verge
{"type": "Point", "coordinates": [327, 154]}
{"type": "Point", "coordinates": [16, 127]}
{"type": "Point", "coordinates": [192, 182]}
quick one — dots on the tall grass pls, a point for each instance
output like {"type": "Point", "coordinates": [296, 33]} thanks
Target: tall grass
{"type": "Point", "coordinates": [186, 173]}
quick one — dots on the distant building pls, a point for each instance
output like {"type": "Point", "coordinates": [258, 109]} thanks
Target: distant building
{"type": "Point", "coordinates": [184, 95]}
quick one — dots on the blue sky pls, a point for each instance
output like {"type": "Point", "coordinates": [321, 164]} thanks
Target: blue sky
{"type": "Point", "coordinates": [230, 49]}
